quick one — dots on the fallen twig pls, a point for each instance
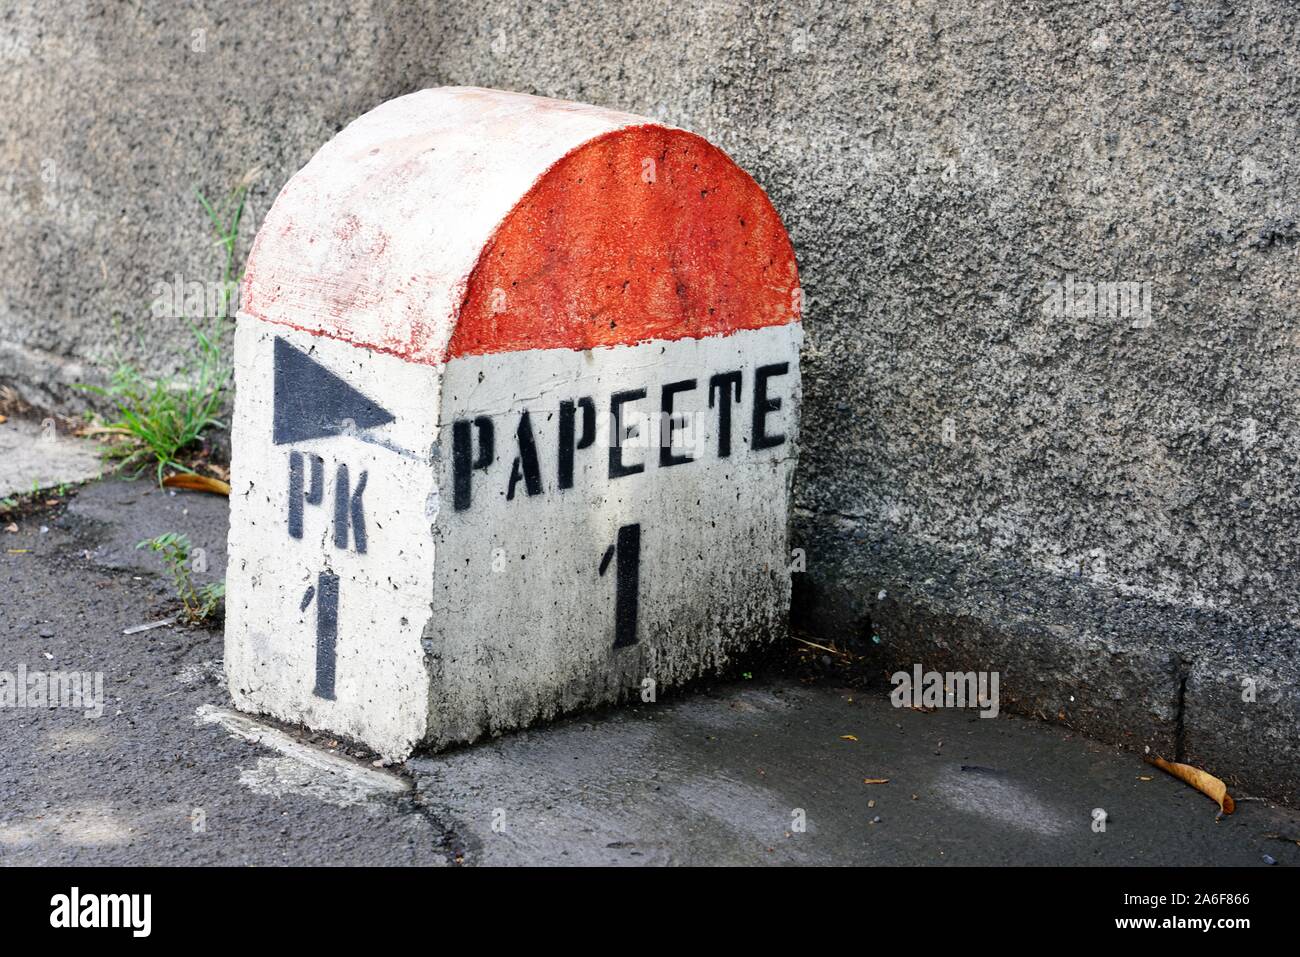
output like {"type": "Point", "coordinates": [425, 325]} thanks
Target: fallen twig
{"type": "Point", "coordinates": [149, 626]}
{"type": "Point", "coordinates": [812, 644]}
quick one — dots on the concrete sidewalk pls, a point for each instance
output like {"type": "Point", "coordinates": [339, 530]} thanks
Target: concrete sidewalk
{"type": "Point", "coordinates": [35, 455]}
{"type": "Point", "coordinates": [727, 774]}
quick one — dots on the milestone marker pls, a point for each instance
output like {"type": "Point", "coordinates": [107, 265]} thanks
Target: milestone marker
{"type": "Point", "coordinates": [516, 421]}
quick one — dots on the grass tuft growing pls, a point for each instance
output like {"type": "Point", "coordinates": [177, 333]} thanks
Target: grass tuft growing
{"type": "Point", "coordinates": [197, 604]}
{"type": "Point", "coordinates": [157, 420]}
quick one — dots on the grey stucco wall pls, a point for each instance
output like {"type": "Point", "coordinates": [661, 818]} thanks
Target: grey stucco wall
{"type": "Point", "coordinates": [1101, 507]}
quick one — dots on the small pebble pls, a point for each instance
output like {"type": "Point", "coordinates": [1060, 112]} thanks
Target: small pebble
{"type": "Point", "coordinates": [1269, 859]}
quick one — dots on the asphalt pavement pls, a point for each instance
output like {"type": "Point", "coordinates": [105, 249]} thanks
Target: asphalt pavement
{"type": "Point", "coordinates": [778, 769]}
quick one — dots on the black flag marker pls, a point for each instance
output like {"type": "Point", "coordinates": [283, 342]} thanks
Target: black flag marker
{"type": "Point", "coordinates": [311, 401]}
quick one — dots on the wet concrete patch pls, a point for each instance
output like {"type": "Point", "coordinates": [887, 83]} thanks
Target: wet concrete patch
{"type": "Point", "coordinates": [775, 772]}
{"type": "Point", "coordinates": [119, 513]}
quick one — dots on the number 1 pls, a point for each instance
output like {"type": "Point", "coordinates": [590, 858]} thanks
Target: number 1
{"type": "Point", "coordinates": [627, 553]}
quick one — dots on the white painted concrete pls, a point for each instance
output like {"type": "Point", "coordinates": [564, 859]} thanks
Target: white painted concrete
{"type": "Point", "coordinates": [523, 621]}
{"type": "Point", "coordinates": [302, 769]}
{"type": "Point", "coordinates": [381, 683]}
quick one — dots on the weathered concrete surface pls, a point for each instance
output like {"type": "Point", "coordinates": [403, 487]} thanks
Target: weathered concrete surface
{"type": "Point", "coordinates": [938, 166]}
{"type": "Point", "coordinates": [33, 455]}
{"type": "Point", "coordinates": [114, 116]}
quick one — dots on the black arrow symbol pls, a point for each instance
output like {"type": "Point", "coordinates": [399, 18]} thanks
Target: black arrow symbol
{"type": "Point", "coordinates": [311, 401]}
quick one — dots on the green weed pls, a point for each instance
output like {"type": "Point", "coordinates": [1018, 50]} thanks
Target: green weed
{"type": "Point", "coordinates": [159, 419]}
{"type": "Point", "coordinates": [197, 603]}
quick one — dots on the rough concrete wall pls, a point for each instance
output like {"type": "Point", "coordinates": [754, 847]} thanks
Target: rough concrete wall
{"type": "Point", "coordinates": [1099, 506]}
{"type": "Point", "coordinates": [114, 113]}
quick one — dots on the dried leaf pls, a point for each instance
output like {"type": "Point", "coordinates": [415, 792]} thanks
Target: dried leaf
{"type": "Point", "coordinates": [848, 737]}
{"type": "Point", "coordinates": [1204, 782]}
{"type": "Point", "coordinates": [197, 483]}
{"type": "Point", "coordinates": [875, 780]}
